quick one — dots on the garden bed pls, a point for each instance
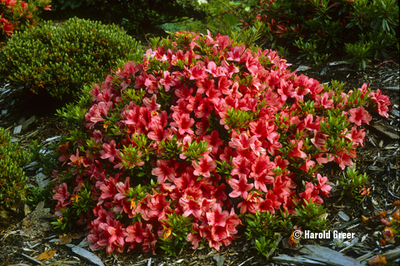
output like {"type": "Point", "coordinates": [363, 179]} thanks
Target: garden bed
{"type": "Point", "coordinates": [379, 158]}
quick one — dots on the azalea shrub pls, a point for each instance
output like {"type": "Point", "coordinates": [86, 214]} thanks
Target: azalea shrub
{"type": "Point", "coordinates": [201, 134]}
{"type": "Point", "coordinates": [318, 29]}
{"type": "Point", "coordinates": [16, 14]}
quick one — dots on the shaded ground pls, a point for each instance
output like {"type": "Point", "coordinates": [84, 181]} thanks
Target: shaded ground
{"type": "Point", "coordinates": [379, 158]}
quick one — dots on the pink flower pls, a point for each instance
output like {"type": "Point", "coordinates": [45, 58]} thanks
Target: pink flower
{"type": "Point", "coordinates": [190, 206]}
{"type": "Point", "coordinates": [241, 166]}
{"type": "Point", "coordinates": [156, 208]}
{"type": "Point", "coordinates": [359, 115]}
{"type": "Point", "coordinates": [311, 193]}
{"type": "Point", "coordinates": [183, 122]}
{"type": "Point", "coordinates": [382, 102]}
{"type": "Point", "coordinates": [168, 80]}
{"type": "Point", "coordinates": [108, 187]}
{"type": "Point", "coordinates": [152, 104]}
{"type": "Point", "coordinates": [323, 158]}
{"type": "Point", "coordinates": [217, 217]}
{"type": "Point", "coordinates": [324, 101]}
{"type": "Point", "coordinates": [296, 151]}
{"type": "Point", "coordinates": [319, 140]}
{"type": "Point", "coordinates": [117, 238]}
{"type": "Point", "coordinates": [236, 53]}
{"type": "Point", "coordinates": [240, 187]}
{"type": "Point", "coordinates": [356, 136]}
{"type": "Point", "coordinates": [343, 158]}
{"type": "Point", "coordinates": [308, 164]}
{"type": "Point", "coordinates": [322, 186]}
{"type": "Point", "coordinates": [197, 72]}
{"type": "Point", "coordinates": [164, 171]}
{"type": "Point", "coordinates": [135, 233]}
{"type": "Point", "coordinates": [214, 141]}
{"type": "Point", "coordinates": [61, 192]}
{"type": "Point", "coordinates": [204, 167]}
{"type": "Point", "coordinates": [109, 151]}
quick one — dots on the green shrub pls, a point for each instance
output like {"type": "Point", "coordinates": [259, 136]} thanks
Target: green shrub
{"type": "Point", "coordinates": [133, 15]}
{"type": "Point", "coordinates": [12, 176]}
{"type": "Point", "coordinates": [61, 59]}
{"type": "Point", "coordinates": [317, 29]}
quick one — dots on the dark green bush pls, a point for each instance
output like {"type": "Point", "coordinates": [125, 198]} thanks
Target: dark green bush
{"type": "Point", "coordinates": [319, 30]}
{"type": "Point", "coordinates": [12, 176]}
{"type": "Point", "coordinates": [133, 15]}
{"type": "Point", "coordinates": [61, 59]}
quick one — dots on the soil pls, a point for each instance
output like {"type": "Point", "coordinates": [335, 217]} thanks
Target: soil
{"type": "Point", "coordinates": [29, 234]}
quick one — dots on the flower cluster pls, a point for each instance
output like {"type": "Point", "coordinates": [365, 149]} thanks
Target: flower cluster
{"type": "Point", "coordinates": [14, 13]}
{"type": "Point", "coordinates": [208, 129]}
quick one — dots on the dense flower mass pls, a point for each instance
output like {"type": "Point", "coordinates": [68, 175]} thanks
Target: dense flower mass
{"type": "Point", "coordinates": [206, 129]}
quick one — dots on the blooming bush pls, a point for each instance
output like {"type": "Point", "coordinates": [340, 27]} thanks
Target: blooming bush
{"type": "Point", "coordinates": [201, 133]}
{"type": "Point", "coordinates": [15, 14]}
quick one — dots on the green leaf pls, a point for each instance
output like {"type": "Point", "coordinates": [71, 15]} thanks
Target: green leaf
{"type": "Point", "coordinates": [230, 19]}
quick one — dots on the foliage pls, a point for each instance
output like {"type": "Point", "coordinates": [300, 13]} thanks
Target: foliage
{"type": "Point", "coordinates": [359, 53]}
{"type": "Point", "coordinates": [60, 60]}
{"type": "Point", "coordinates": [319, 29]}
{"type": "Point", "coordinates": [18, 14]}
{"type": "Point", "coordinates": [264, 228]}
{"type": "Point", "coordinates": [176, 229]}
{"type": "Point", "coordinates": [47, 161]}
{"type": "Point", "coordinates": [311, 216]}
{"type": "Point", "coordinates": [353, 183]}
{"type": "Point", "coordinates": [132, 15]}
{"type": "Point", "coordinates": [205, 130]}
{"type": "Point", "coordinates": [12, 176]}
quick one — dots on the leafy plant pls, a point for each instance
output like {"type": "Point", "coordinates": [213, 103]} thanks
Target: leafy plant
{"type": "Point", "coordinates": [61, 59]}
{"type": "Point", "coordinates": [329, 27]}
{"type": "Point", "coordinates": [352, 183]}
{"type": "Point", "coordinates": [12, 177]}
{"type": "Point", "coordinates": [175, 233]}
{"type": "Point", "coordinates": [132, 15]}
{"type": "Point", "coordinates": [264, 229]}
{"type": "Point", "coordinates": [310, 216]}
